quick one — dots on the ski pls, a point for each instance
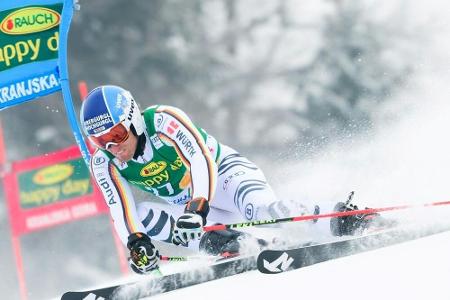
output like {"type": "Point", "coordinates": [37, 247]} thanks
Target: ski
{"type": "Point", "coordinates": [277, 261]}
{"type": "Point", "coordinates": [154, 286]}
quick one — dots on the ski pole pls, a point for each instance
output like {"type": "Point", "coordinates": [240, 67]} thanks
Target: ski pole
{"type": "Point", "coordinates": [320, 216]}
{"type": "Point", "coordinates": [198, 257]}
{"type": "Point", "coordinates": [185, 258]}
{"type": "Point", "coordinates": [293, 219]}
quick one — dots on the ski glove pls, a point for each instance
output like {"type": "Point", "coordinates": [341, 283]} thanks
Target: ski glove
{"type": "Point", "coordinates": [189, 226]}
{"type": "Point", "coordinates": [144, 257]}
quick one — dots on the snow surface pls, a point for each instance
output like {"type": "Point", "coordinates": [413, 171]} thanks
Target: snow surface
{"type": "Point", "coordinates": [418, 269]}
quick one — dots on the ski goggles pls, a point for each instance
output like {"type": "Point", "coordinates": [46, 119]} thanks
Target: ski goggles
{"type": "Point", "coordinates": [115, 136]}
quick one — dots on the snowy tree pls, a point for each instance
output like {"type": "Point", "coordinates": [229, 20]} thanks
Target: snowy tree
{"type": "Point", "coordinates": [245, 70]}
{"type": "Point", "coordinates": [359, 65]}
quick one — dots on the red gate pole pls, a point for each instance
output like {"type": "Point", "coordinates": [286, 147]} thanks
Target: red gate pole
{"type": "Point", "coordinates": [19, 266]}
{"type": "Point", "coordinates": [14, 239]}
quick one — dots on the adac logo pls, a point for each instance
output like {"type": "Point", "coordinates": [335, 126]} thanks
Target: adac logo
{"type": "Point", "coordinates": [153, 168]}
{"type": "Point", "coordinates": [30, 20]}
{"type": "Point", "coordinates": [53, 174]}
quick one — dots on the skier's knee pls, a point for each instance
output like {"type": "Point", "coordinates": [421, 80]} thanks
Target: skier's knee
{"type": "Point", "coordinates": [158, 223]}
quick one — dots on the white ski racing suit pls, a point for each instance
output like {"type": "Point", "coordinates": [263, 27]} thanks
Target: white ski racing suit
{"type": "Point", "coordinates": [180, 162]}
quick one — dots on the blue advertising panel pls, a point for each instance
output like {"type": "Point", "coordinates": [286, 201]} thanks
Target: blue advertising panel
{"type": "Point", "coordinates": [33, 54]}
{"type": "Point", "coordinates": [29, 42]}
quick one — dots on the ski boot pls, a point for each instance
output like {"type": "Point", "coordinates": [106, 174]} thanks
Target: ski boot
{"type": "Point", "coordinates": [228, 242]}
{"type": "Point", "coordinates": [357, 224]}
{"type": "Point", "coordinates": [290, 208]}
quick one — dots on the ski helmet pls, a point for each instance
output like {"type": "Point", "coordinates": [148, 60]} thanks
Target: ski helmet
{"type": "Point", "coordinates": [108, 114]}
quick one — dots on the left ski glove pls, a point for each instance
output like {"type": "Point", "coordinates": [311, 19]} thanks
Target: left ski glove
{"type": "Point", "coordinates": [189, 226]}
{"type": "Point", "coordinates": [144, 257]}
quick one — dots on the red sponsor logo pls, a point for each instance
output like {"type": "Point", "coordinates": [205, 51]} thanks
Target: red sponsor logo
{"type": "Point", "coordinates": [172, 127]}
{"type": "Point", "coordinates": [9, 24]}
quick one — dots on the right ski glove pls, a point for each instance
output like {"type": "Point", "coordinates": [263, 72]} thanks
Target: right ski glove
{"type": "Point", "coordinates": [144, 257]}
{"type": "Point", "coordinates": [189, 226]}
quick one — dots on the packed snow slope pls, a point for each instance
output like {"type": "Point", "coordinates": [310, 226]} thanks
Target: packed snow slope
{"type": "Point", "coordinates": [417, 269]}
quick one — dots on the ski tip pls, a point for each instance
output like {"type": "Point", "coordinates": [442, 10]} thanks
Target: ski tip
{"type": "Point", "coordinates": [71, 296]}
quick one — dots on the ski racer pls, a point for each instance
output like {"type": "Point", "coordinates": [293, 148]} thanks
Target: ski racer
{"type": "Point", "coordinates": [163, 152]}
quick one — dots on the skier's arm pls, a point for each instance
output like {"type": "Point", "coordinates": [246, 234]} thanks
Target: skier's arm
{"type": "Point", "coordinates": [175, 128]}
{"type": "Point", "coordinates": [117, 195]}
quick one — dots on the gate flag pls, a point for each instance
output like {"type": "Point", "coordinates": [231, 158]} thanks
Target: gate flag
{"type": "Point", "coordinates": [33, 54]}
{"type": "Point", "coordinates": [29, 40]}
